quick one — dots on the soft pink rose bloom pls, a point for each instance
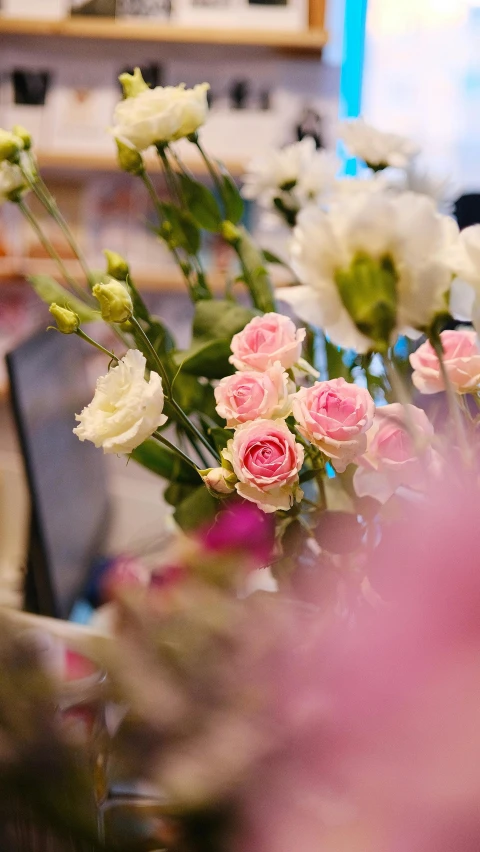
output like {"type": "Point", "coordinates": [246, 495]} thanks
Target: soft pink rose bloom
{"type": "Point", "coordinates": [251, 395]}
{"type": "Point", "coordinates": [266, 339]}
{"type": "Point", "coordinates": [398, 454]}
{"type": "Point", "coordinates": [335, 417]}
{"type": "Point", "coordinates": [462, 363]}
{"type": "Point", "coordinates": [266, 460]}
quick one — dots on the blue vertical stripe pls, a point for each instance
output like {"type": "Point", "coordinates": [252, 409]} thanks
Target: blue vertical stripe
{"type": "Point", "coordinates": [351, 76]}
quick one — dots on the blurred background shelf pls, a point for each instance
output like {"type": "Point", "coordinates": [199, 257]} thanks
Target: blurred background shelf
{"type": "Point", "coordinates": [308, 41]}
{"type": "Point", "coordinates": [108, 163]}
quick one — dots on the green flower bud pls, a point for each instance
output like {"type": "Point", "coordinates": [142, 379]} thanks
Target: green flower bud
{"type": "Point", "coordinates": [68, 322]}
{"type": "Point", "coordinates": [368, 290]}
{"type": "Point", "coordinates": [230, 232]}
{"type": "Point", "coordinates": [132, 84]}
{"type": "Point", "coordinates": [117, 266]}
{"type": "Point", "coordinates": [129, 159]}
{"type": "Point", "coordinates": [115, 302]}
{"type": "Point", "coordinates": [23, 134]}
{"type": "Point", "coordinates": [10, 146]}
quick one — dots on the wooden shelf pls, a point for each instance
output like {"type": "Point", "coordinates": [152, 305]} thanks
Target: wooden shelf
{"type": "Point", "coordinates": [108, 163]}
{"type": "Point", "coordinates": [109, 29]}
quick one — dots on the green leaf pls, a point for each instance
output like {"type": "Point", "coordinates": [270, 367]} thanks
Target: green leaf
{"type": "Point", "coordinates": [197, 510]}
{"type": "Point", "coordinates": [208, 358]}
{"type": "Point", "coordinates": [201, 204]}
{"type": "Point", "coordinates": [270, 257]}
{"type": "Point", "coordinates": [335, 364]}
{"type": "Point", "coordinates": [221, 437]}
{"type": "Point", "coordinates": [189, 393]}
{"type": "Point", "coordinates": [231, 198]}
{"type": "Point", "coordinates": [182, 229]}
{"type": "Point", "coordinates": [176, 493]}
{"type": "Point", "coordinates": [219, 318]}
{"type": "Point", "coordinates": [254, 273]}
{"type": "Point", "coordinates": [164, 462]}
{"type": "Point", "coordinates": [50, 291]}
{"type": "Point", "coordinates": [140, 309]}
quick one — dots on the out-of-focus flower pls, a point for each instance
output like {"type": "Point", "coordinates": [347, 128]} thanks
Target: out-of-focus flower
{"type": "Point", "coordinates": [117, 266]}
{"type": "Point", "coordinates": [296, 175]}
{"type": "Point", "coordinates": [266, 460]}
{"type": "Point", "coordinates": [377, 148]}
{"type": "Point", "coordinates": [371, 268]}
{"type": "Point", "coordinates": [126, 408]}
{"type": "Point", "coordinates": [461, 357]}
{"type": "Point", "coordinates": [265, 340]}
{"type": "Point", "coordinates": [12, 182]}
{"type": "Point", "coordinates": [463, 258]}
{"type": "Point", "coordinates": [160, 115]}
{"type": "Point", "coordinates": [11, 146]}
{"type": "Point", "coordinates": [335, 416]}
{"type": "Point", "coordinates": [399, 453]}
{"type": "Point", "coordinates": [242, 528]}
{"type": "Point", "coordinates": [250, 395]}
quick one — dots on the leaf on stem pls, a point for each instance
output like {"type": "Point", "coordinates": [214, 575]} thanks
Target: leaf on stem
{"type": "Point", "coordinates": [49, 290]}
{"type": "Point", "coordinates": [201, 204]}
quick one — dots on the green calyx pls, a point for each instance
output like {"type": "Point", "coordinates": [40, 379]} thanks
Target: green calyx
{"type": "Point", "coordinates": [368, 290]}
{"type": "Point", "coordinates": [129, 159]}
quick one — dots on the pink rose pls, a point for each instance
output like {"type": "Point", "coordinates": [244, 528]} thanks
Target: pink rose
{"type": "Point", "coordinates": [251, 395]}
{"type": "Point", "coordinates": [266, 460]}
{"type": "Point", "coordinates": [265, 340]}
{"type": "Point", "coordinates": [395, 456]}
{"type": "Point", "coordinates": [335, 416]}
{"type": "Point", "coordinates": [462, 363]}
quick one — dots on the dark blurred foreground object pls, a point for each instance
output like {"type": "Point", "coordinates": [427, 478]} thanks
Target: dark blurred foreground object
{"type": "Point", "coordinates": [467, 210]}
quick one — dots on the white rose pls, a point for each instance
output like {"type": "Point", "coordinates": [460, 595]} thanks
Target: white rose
{"type": "Point", "coordinates": [126, 408]}
{"type": "Point", "coordinates": [376, 148]}
{"type": "Point", "coordinates": [161, 115]}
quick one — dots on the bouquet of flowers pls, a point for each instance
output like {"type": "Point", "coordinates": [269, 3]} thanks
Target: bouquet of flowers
{"type": "Point", "coordinates": [327, 427]}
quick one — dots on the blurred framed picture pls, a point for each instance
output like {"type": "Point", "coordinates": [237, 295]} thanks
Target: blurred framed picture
{"type": "Point", "coordinates": [243, 14]}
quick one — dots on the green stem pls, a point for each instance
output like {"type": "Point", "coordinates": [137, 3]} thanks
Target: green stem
{"type": "Point", "coordinates": [170, 176]}
{"type": "Point", "coordinates": [44, 195]}
{"type": "Point", "coordinates": [28, 215]}
{"type": "Point", "coordinates": [189, 425]}
{"type": "Point", "coordinates": [452, 404]}
{"type": "Point", "coordinates": [208, 163]}
{"type": "Point", "coordinates": [94, 343]}
{"type": "Point", "coordinates": [160, 438]}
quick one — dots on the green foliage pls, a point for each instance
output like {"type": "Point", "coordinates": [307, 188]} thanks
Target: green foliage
{"type": "Point", "coordinates": [197, 510]}
{"type": "Point", "coordinates": [214, 324]}
{"type": "Point", "coordinates": [163, 462]}
{"type": "Point", "coordinates": [179, 229]}
{"type": "Point", "coordinates": [50, 291]}
{"type": "Point", "coordinates": [254, 273]}
{"type": "Point", "coordinates": [201, 204]}
{"type": "Point", "coordinates": [336, 366]}
{"type": "Point", "coordinates": [232, 200]}
{"type": "Point", "coordinates": [220, 437]}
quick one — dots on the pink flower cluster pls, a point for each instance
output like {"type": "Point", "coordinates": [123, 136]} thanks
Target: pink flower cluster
{"type": "Point", "coordinates": [461, 358]}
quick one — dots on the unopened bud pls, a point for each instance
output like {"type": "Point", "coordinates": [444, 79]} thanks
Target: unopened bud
{"type": "Point", "coordinates": [230, 232]}
{"type": "Point", "coordinates": [117, 266]}
{"type": "Point", "coordinates": [23, 134]}
{"type": "Point", "coordinates": [132, 84]}
{"type": "Point", "coordinates": [218, 480]}
{"type": "Point", "coordinates": [10, 146]}
{"type": "Point", "coordinates": [115, 302]}
{"type": "Point", "coordinates": [68, 322]}
{"type": "Point", "coordinates": [129, 159]}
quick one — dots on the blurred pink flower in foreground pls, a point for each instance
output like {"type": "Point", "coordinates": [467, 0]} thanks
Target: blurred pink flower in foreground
{"type": "Point", "coordinates": [378, 734]}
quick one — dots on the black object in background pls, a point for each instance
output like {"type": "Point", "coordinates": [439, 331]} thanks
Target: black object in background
{"type": "Point", "coordinates": [104, 8]}
{"type": "Point", "coordinates": [239, 93]}
{"type": "Point", "coordinates": [30, 87]}
{"type": "Point", "coordinates": [66, 478]}
{"type": "Point", "coordinates": [152, 74]}
{"type": "Point", "coordinates": [310, 124]}
{"type": "Point", "coordinates": [467, 210]}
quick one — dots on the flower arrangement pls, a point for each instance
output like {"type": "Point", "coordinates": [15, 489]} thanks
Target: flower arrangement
{"type": "Point", "coordinates": [327, 426]}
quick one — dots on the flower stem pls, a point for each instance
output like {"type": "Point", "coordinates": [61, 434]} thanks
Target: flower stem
{"type": "Point", "coordinates": [206, 159]}
{"type": "Point", "coordinates": [44, 195]}
{"type": "Point", "coordinates": [94, 343]}
{"type": "Point", "coordinates": [452, 404]}
{"type": "Point", "coordinates": [49, 248]}
{"type": "Point", "coordinates": [190, 427]}
{"type": "Point", "coordinates": [178, 452]}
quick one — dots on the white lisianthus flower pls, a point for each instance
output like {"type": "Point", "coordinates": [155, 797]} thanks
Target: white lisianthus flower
{"type": "Point", "coordinates": [160, 115]}
{"type": "Point", "coordinates": [126, 408]}
{"type": "Point", "coordinates": [377, 148]}
{"type": "Point", "coordinates": [295, 175]}
{"type": "Point", "coordinates": [371, 268]}
{"type": "Point", "coordinates": [12, 182]}
{"type": "Point", "coordinates": [463, 258]}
